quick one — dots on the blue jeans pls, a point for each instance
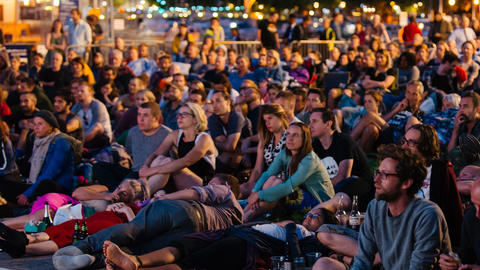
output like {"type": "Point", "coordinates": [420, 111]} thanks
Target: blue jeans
{"type": "Point", "coordinates": [154, 227]}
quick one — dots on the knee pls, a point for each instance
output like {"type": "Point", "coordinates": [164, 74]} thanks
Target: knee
{"type": "Point", "coordinates": [371, 131]}
{"type": "Point", "coordinates": [325, 238]}
{"type": "Point", "coordinates": [161, 160]}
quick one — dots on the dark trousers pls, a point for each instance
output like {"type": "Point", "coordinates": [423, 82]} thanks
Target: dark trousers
{"type": "Point", "coordinates": [154, 227]}
{"type": "Point", "coordinates": [229, 252]}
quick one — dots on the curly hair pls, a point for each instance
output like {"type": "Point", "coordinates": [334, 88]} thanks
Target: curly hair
{"type": "Point", "coordinates": [409, 166]}
{"type": "Point", "coordinates": [428, 143]}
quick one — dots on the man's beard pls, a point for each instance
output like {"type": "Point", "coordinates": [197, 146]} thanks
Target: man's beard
{"type": "Point", "coordinates": [389, 196]}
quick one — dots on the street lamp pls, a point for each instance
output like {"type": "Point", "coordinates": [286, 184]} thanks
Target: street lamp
{"type": "Point", "coordinates": [451, 2]}
{"type": "Point", "coordinates": [316, 5]}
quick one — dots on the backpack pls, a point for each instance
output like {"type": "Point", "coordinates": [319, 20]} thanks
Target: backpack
{"type": "Point", "coordinates": [76, 145]}
{"type": "Point", "coordinates": [115, 154]}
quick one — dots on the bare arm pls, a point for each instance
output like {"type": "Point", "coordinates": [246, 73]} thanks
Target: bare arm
{"type": "Point", "coordinates": [73, 125]}
{"type": "Point", "coordinates": [344, 171]}
{"type": "Point", "coordinates": [186, 194]}
{"type": "Point", "coordinates": [202, 146]}
{"type": "Point", "coordinates": [96, 130]}
{"type": "Point", "coordinates": [163, 148]}
{"type": "Point", "coordinates": [228, 144]}
{"type": "Point", "coordinates": [258, 169]}
{"type": "Point", "coordinates": [48, 44]}
{"type": "Point", "coordinates": [94, 192]}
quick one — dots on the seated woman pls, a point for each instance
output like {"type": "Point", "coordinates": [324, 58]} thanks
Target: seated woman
{"type": "Point", "coordinates": [271, 132]}
{"type": "Point", "coordinates": [383, 75]}
{"type": "Point", "coordinates": [272, 72]}
{"type": "Point", "coordinates": [51, 162]}
{"type": "Point", "coordinates": [297, 71]}
{"type": "Point", "coordinates": [196, 153]}
{"type": "Point", "coordinates": [342, 64]}
{"type": "Point", "coordinates": [16, 243]}
{"type": "Point", "coordinates": [297, 169]}
{"type": "Point", "coordinates": [365, 128]}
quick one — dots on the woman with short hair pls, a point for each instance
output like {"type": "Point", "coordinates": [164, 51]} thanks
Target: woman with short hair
{"type": "Point", "coordinates": [196, 153]}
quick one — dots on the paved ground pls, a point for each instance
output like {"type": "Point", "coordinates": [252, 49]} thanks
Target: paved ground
{"type": "Point", "coordinates": [43, 262]}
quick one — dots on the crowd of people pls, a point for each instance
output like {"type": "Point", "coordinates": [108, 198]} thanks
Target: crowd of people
{"type": "Point", "coordinates": [204, 158]}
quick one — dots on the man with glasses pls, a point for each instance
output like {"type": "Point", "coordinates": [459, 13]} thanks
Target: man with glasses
{"type": "Point", "coordinates": [407, 231]}
{"type": "Point", "coordinates": [439, 186]}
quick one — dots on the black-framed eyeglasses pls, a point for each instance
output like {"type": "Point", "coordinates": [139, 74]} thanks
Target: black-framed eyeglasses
{"type": "Point", "coordinates": [410, 143]}
{"type": "Point", "coordinates": [383, 175]}
{"type": "Point", "coordinates": [183, 115]}
{"type": "Point", "coordinates": [310, 215]}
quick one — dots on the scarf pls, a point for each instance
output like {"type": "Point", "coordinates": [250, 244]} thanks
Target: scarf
{"type": "Point", "coordinates": [40, 148]}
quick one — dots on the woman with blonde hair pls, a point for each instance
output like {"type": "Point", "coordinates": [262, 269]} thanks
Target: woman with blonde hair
{"type": "Point", "coordinates": [297, 71]}
{"type": "Point", "coordinates": [272, 72]}
{"type": "Point", "coordinates": [196, 153]}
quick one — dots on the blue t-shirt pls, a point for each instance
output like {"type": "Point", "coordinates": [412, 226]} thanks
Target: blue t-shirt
{"type": "Point", "coordinates": [236, 123]}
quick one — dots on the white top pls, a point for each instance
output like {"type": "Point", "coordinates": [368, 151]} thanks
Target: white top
{"type": "Point", "coordinates": [460, 35]}
{"type": "Point", "coordinates": [424, 191]}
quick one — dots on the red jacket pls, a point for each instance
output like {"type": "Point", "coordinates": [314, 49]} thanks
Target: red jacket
{"type": "Point", "coordinates": [410, 31]}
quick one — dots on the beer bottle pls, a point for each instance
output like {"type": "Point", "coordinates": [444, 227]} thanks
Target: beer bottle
{"type": "Point", "coordinates": [84, 231]}
{"type": "Point", "coordinates": [47, 219]}
{"type": "Point", "coordinates": [288, 263]}
{"type": "Point", "coordinates": [354, 218]}
{"type": "Point", "coordinates": [341, 214]}
{"type": "Point", "coordinates": [76, 232]}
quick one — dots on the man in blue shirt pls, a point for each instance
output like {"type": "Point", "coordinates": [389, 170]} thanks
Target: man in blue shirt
{"type": "Point", "coordinates": [79, 33]}
{"type": "Point", "coordinates": [227, 128]}
{"type": "Point", "coordinates": [173, 95]}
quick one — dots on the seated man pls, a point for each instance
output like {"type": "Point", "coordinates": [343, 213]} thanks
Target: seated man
{"type": "Point", "coordinates": [142, 141]}
{"type": "Point", "coordinates": [95, 118]}
{"type": "Point", "coordinates": [315, 99]}
{"type": "Point", "coordinates": [20, 121]}
{"type": "Point", "coordinates": [167, 218]}
{"type": "Point", "coordinates": [28, 85]}
{"type": "Point", "coordinates": [406, 231]}
{"type": "Point", "coordinates": [227, 128]}
{"type": "Point", "coordinates": [344, 160]}
{"type": "Point", "coordinates": [69, 122]}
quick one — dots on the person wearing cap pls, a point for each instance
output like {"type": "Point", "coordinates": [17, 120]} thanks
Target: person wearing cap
{"type": "Point", "coordinates": [51, 161]}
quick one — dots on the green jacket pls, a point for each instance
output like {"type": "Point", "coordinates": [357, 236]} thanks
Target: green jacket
{"type": "Point", "coordinates": [310, 173]}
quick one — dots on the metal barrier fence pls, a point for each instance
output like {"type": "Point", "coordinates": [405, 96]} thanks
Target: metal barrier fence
{"type": "Point", "coordinates": [321, 46]}
{"type": "Point", "coordinates": [244, 48]}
